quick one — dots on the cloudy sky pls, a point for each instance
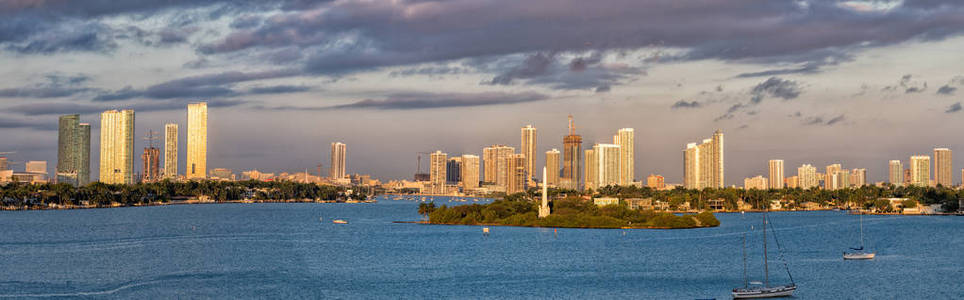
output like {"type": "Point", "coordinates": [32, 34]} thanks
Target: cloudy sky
{"type": "Point", "coordinates": [852, 82]}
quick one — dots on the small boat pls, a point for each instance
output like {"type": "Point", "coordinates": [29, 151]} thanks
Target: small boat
{"type": "Point", "coordinates": [339, 221]}
{"type": "Point", "coordinates": [764, 291]}
{"type": "Point", "coordinates": [858, 253]}
{"type": "Point", "coordinates": [485, 231]}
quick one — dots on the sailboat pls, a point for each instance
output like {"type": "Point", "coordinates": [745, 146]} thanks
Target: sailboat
{"type": "Point", "coordinates": [764, 291]}
{"type": "Point", "coordinates": [858, 253]}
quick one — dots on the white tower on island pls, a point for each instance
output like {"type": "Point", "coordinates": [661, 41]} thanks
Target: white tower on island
{"type": "Point", "coordinates": [544, 208]}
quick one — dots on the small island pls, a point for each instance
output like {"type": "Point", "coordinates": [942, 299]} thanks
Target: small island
{"type": "Point", "coordinates": [568, 212]}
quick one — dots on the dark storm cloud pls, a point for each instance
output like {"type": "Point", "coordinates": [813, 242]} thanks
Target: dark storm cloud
{"type": "Point", "coordinates": [686, 104]}
{"type": "Point", "coordinates": [533, 66]}
{"type": "Point", "coordinates": [946, 90]}
{"type": "Point", "coordinates": [431, 100]}
{"type": "Point", "coordinates": [202, 86]}
{"type": "Point", "coordinates": [60, 108]}
{"type": "Point", "coordinates": [956, 107]}
{"type": "Point", "coordinates": [55, 85]}
{"type": "Point", "coordinates": [278, 89]}
{"type": "Point", "coordinates": [580, 73]}
{"type": "Point", "coordinates": [777, 88]}
{"type": "Point", "coordinates": [603, 89]}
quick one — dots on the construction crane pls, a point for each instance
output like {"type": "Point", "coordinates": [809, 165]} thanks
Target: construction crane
{"type": "Point", "coordinates": [419, 176]}
{"type": "Point", "coordinates": [150, 138]}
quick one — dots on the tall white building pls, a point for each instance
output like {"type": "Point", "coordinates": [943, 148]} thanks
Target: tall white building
{"type": "Point", "coordinates": [494, 164]}
{"type": "Point", "coordinates": [626, 140]}
{"type": "Point", "coordinates": [437, 169]}
{"type": "Point", "coordinates": [895, 173]}
{"type": "Point", "coordinates": [117, 147]}
{"type": "Point", "coordinates": [470, 172]}
{"type": "Point", "coordinates": [858, 177]}
{"type": "Point", "coordinates": [170, 150]}
{"type": "Point", "coordinates": [607, 164]}
{"type": "Point", "coordinates": [197, 140]}
{"type": "Point", "coordinates": [591, 169]}
{"type": "Point", "coordinates": [807, 176]}
{"type": "Point", "coordinates": [942, 167]}
{"type": "Point", "coordinates": [528, 148]}
{"type": "Point", "coordinates": [831, 182]}
{"type": "Point", "coordinates": [920, 170]}
{"type": "Point", "coordinates": [776, 174]}
{"type": "Point", "coordinates": [703, 163]}
{"type": "Point", "coordinates": [339, 155]}
{"type": "Point", "coordinates": [553, 167]}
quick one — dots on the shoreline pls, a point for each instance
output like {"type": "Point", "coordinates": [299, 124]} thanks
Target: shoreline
{"type": "Point", "coordinates": [536, 226]}
{"type": "Point", "coordinates": [178, 202]}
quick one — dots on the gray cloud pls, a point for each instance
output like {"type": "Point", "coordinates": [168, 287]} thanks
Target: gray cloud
{"type": "Point", "coordinates": [603, 88]}
{"type": "Point", "coordinates": [817, 120]}
{"type": "Point", "coordinates": [684, 104]}
{"type": "Point", "coordinates": [55, 85]}
{"type": "Point", "coordinates": [956, 107]}
{"type": "Point", "coordinates": [533, 66]}
{"type": "Point", "coordinates": [53, 108]}
{"type": "Point", "coordinates": [430, 100]}
{"type": "Point", "coordinates": [278, 89]}
{"type": "Point", "coordinates": [11, 123]}
{"type": "Point", "coordinates": [946, 90]}
{"type": "Point", "coordinates": [775, 87]}
{"type": "Point", "coordinates": [203, 86]}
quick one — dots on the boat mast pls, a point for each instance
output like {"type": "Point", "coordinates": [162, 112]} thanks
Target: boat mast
{"type": "Point", "coordinates": [766, 267]}
{"type": "Point", "coordinates": [746, 283]}
{"type": "Point", "coordinates": [861, 231]}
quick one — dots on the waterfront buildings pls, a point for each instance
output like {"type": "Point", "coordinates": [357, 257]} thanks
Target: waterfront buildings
{"type": "Point", "coordinates": [222, 174]}
{"type": "Point", "coordinates": [895, 173]}
{"type": "Point", "coordinates": [572, 149]}
{"type": "Point", "coordinates": [591, 169]}
{"type": "Point", "coordinates": [776, 174]}
{"type": "Point", "coordinates": [470, 172]}
{"type": "Point", "coordinates": [942, 167]}
{"type": "Point", "coordinates": [552, 164]}
{"type": "Point", "coordinates": [703, 163]}
{"type": "Point", "coordinates": [528, 148]}
{"type": "Point", "coordinates": [152, 164]}
{"type": "Point", "coordinates": [858, 177]}
{"type": "Point", "coordinates": [920, 170]}
{"type": "Point", "coordinates": [517, 176]}
{"type": "Point", "coordinates": [170, 150]}
{"type": "Point", "coordinates": [626, 140]}
{"type": "Point", "coordinates": [73, 151]}
{"type": "Point", "coordinates": [655, 181]}
{"type": "Point", "coordinates": [807, 176]}
{"type": "Point", "coordinates": [606, 163]}
{"type": "Point", "coordinates": [831, 181]}
{"type": "Point", "coordinates": [197, 140]}
{"type": "Point", "coordinates": [339, 155]}
{"type": "Point", "coordinates": [36, 166]}
{"type": "Point", "coordinates": [792, 182]}
{"type": "Point", "coordinates": [758, 182]}
{"type": "Point", "coordinates": [117, 147]}
{"type": "Point", "coordinates": [841, 179]}
{"type": "Point", "coordinates": [453, 170]}
{"type": "Point", "coordinates": [493, 159]}
{"type": "Point", "coordinates": [437, 171]}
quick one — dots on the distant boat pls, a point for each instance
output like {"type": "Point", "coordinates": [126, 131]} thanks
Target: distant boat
{"type": "Point", "coordinates": [339, 221]}
{"type": "Point", "coordinates": [859, 253]}
{"type": "Point", "coordinates": [764, 291]}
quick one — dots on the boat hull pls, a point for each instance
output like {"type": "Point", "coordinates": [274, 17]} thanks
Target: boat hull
{"type": "Point", "coordinates": [859, 256]}
{"type": "Point", "coordinates": [769, 292]}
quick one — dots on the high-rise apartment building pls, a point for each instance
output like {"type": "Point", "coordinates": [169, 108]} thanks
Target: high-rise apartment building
{"type": "Point", "coordinates": [942, 167]}
{"type": "Point", "coordinates": [571, 151]}
{"type": "Point", "coordinates": [117, 147]}
{"type": "Point", "coordinates": [920, 170]}
{"type": "Point", "coordinates": [842, 179]}
{"type": "Point", "coordinates": [591, 170]}
{"type": "Point", "coordinates": [437, 172]}
{"type": "Point", "coordinates": [73, 159]}
{"type": "Point", "coordinates": [607, 163]}
{"type": "Point", "coordinates": [453, 170]}
{"type": "Point", "coordinates": [470, 172]}
{"type": "Point", "coordinates": [807, 177]}
{"type": "Point", "coordinates": [792, 182]}
{"type": "Point", "coordinates": [197, 140]}
{"type": "Point", "coordinates": [758, 182]}
{"type": "Point", "coordinates": [655, 181]}
{"type": "Point", "coordinates": [494, 165]}
{"type": "Point", "coordinates": [830, 183]}
{"type": "Point", "coordinates": [895, 172]}
{"type": "Point", "coordinates": [626, 140]}
{"type": "Point", "coordinates": [339, 155]}
{"type": "Point", "coordinates": [776, 174]}
{"type": "Point", "coordinates": [152, 164]}
{"type": "Point", "coordinates": [858, 177]}
{"type": "Point", "coordinates": [170, 150]}
{"type": "Point", "coordinates": [528, 148]}
{"type": "Point", "coordinates": [516, 171]}
{"type": "Point", "coordinates": [553, 168]}
{"type": "Point", "coordinates": [703, 163]}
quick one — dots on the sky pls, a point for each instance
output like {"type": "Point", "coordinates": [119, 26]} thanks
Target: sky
{"type": "Point", "coordinates": [819, 82]}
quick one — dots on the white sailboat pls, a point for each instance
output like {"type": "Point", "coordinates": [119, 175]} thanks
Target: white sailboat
{"type": "Point", "coordinates": [859, 253]}
{"type": "Point", "coordinates": [764, 291]}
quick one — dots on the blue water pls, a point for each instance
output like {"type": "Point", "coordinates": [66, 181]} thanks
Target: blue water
{"type": "Point", "coordinates": [284, 251]}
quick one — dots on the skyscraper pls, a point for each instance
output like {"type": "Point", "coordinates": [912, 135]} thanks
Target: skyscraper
{"type": "Point", "coordinates": [493, 158]}
{"type": "Point", "coordinates": [517, 177]}
{"type": "Point", "coordinates": [572, 149]}
{"type": "Point", "coordinates": [703, 163]}
{"type": "Point", "coordinates": [437, 171]}
{"type": "Point", "coordinates": [152, 164]}
{"type": "Point", "coordinates": [591, 169]}
{"type": "Point", "coordinates": [831, 182]}
{"type": "Point", "coordinates": [470, 172]}
{"type": "Point", "coordinates": [170, 150]}
{"type": "Point", "coordinates": [197, 140]}
{"type": "Point", "coordinates": [942, 167]}
{"type": "Point", "coordinates": [453, 170]}
{"type": "Point", "coordinates": [807, 176]}
{"type": "Point", "coordinates": [776, 174]}
{"type": "Point", "coordinates": [552, 164]}
{"type": "Point", "coordinates": [920, 170]}
{"type": "Point", "coordinates": [72, 157]}
{"type": "Point", "coordinates": [528, 148]}
{"type": "Point", "coordinates": [606, 163]}
{"type": "Point", "coordinates": [895, 173]}
{"type": "Point", "coordinates": [339, 154]}
{"type": "Point", "coordinates": [858, 177]}
{"type": "Point", "coordinates": [117, 147]}
{"type": "Point", "coordinates": [626, 140]}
